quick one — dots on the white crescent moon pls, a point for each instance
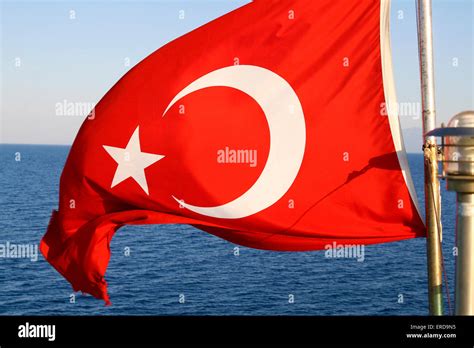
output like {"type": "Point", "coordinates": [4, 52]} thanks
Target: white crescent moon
{"type": "Point", "coordinates": [286, 123]}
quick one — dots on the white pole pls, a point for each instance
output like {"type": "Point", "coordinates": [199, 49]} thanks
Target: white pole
{"type": "Point", "coordinates": [432, 200]}
{"type": "Point", "coordinates": [465, 258]}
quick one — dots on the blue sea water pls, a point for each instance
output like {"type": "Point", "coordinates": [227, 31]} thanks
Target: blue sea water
{"type": "Point", "coordinates": [169, 262]}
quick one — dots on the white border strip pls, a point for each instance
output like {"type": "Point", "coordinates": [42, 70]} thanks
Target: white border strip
{"type": "Point", "coordinates": [391, 98]}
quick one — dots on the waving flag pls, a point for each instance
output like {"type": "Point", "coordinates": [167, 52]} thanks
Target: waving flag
{"type": "Point", "coordinates": [269, 127]}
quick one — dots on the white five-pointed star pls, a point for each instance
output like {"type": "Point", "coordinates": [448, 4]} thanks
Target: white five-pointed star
{"type": "Point", "coordinates": [132, 161]}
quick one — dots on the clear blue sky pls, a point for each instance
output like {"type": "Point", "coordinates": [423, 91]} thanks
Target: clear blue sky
{"type": "Point", "coordinates": [79, 59]}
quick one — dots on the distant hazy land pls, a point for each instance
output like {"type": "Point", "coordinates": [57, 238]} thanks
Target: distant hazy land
{"type": "Point", "coordinates": [412, 138]}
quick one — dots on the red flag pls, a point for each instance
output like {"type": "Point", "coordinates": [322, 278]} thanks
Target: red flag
{"type": "Point", "coordinates": [265, 127]}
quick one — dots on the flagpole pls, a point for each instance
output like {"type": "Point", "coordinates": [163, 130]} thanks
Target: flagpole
{"type": "Point", "coordinates": [432, 197]}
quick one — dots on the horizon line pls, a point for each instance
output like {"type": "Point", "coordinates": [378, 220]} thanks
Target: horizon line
{"type": "Point", "coordinates": [419, 152]}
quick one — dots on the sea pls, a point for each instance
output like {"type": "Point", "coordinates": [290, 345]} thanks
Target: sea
{"type": "Point", "coordinates": [179, 270]}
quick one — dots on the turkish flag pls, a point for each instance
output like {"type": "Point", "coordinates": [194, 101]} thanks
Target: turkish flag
{"type": "Point", "coordinates": [268, 127]}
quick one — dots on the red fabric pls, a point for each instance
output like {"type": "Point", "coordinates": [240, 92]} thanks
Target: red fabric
{"type": "Point", "coordinates": [355, 201]}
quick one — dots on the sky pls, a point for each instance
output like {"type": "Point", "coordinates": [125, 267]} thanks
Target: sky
{"type": "Point", "coordinates": [55, 54]}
